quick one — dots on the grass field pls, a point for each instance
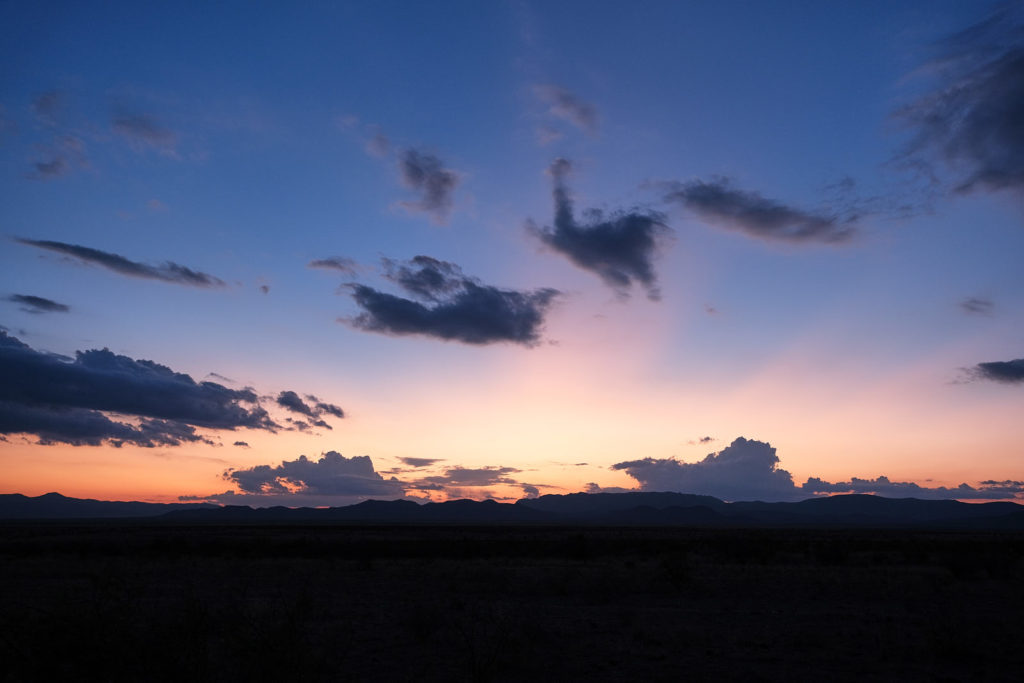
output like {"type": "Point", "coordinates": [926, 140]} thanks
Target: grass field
{"type": "Point", "coordinates": [119, 601]}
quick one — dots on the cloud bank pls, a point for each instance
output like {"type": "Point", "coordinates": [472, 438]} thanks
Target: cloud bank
{"type": "Point", "coordinates": [168, 272]}
{"type": "Point", "coordinates": [620, 249]}
{"type": "Point", "coordinates": [719, 203]}
{"type": "Point", "coordinates": [451, 306]}
{"type": "Point", "coordinates": [61, 400]}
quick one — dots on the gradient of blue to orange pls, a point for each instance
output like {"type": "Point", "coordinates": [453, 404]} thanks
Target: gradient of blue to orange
{"type": "Point", "coordinates": [267, 151]}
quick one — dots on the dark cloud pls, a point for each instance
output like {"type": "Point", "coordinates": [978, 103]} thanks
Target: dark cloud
{"type": "Point", "coordinates": [168, 272]}
{"type": "Point", "coordinates": [55, 167]}
{"type": "Point", "coordinates": [530, 491]}
{"type": "Point", "coordinates": [977, 306]}
{"type": "Point", "coordinates": [37, 304]}
{"type": "Point", "coordinates": [426, 174]}
{"type": "Point", "coordinates": [1007, 372]}
{"type": "Point", "coordinates": [333, 475]}
{"type": "Point", "coordinates": [745, 470]}
{"type": "Point", "coordinates": [620, 249]}
{"type": "Point", "coordinates": [265, 289]}
{"type": "Point", "coordinates": [718, 202]}
{"type": "Point", "coordinates": [67, 400]}
{"type": "Point", "coordinates": [881, 486]}
{"type": "Point", "coordinates": [972, 120]}
{"type": "Point", "coordinates": [314, 409]}
{"type": "Point", "coordinates": [242, 444]}
{"type": "Point", "coordinates": [565, 105]}
{"type": "Point", "coordinates": [145, 130]}
{"type": "Point", "coordinates": [457, 307]}
{"type": "Point", "coordinates": [340, 263]}
{"type": "Point", "coordinates": [419, 462]}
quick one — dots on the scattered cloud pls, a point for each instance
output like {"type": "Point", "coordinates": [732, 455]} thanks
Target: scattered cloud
{"type": "Point", "coordinates": [719, 203]}
{"type": "Point", "coordinates": [59, 157]}
{"type": "Point", "coordinates": [37, 304]}
{"type": "Point", "coordinates": [47, 106]}
{"type": "Point", "coordinates": [167, 272]}
{"type": "Point", "coordinates": [977, 306]}
{"type": "Point", "coordinates": [419, 462]}
{"type": "Point", "coordinates": [315, 408]}
{"type": "Point", "coordinates": [567, 106]}
{"type": "Point", "coordinates": [63, 400]}
{"type": "Point", "coordinates": [881, 486]}
{"type": "Point", "coordinates": [341, 264]}
{"type": "Point", "coordinates": [242, 444]}
{"type": "Point", "coordinates": [426, 174]}
{"type": "Point", "coordinates": [1007, 372]}
{"type": "Point", "coordinates": [972, 119]}
{"type": "Point", "coordinates": [143, 130]}
{"type": "Point", "coordinates": [452, 306]}
{"type": "Point", "coordinates": [156, 205]}
{"type": "Point", "coordinates": [744, 470]}
{"type": "Point", "coordinates": [620, 249]}
{"type": "Point", "coordinates": [378, 145]}
{"type": "Point", "coordinates": [265, 289]}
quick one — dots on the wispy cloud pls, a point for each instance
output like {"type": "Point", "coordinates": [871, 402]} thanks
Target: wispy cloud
{"type": "Point", "coordinates": [977, 305]}
{"type": "Point", "coordinates": [971, 122]}
{"type": "Point", "coordinates": [426, 174]}
{"type": "Point", "coordinates": [451, 306]}
{"type": "Point", "coordinates": [620, 249]}
{"type": "Point", "coordinates": [341, 264]}
{"type": "Point", "coordinates": [144, 130]}
{"type": "Point", "coordinates": [563, 104]}
{"type": "Point", "coordinates": [167, 272]}
{"type": "Point", "coordinates": [38, 304]}
{"type": "Point", "coordinates": [719, 203]}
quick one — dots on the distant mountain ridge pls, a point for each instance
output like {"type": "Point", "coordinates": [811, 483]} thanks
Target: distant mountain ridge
{"type": "Point", "coordinates": [628, 509]}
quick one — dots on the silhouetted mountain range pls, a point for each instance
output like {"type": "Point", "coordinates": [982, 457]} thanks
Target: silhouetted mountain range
{"type": "Point", "coordinates": [634, 508]}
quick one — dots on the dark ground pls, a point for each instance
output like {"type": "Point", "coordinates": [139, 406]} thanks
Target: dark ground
{"type": "Point", "coordinates": [120, 601]}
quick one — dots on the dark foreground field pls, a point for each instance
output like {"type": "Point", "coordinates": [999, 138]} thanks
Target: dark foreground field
{"type": "Point", "coordinates": [119, 601]}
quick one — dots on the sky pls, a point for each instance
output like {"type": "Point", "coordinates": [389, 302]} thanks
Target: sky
{"type": "Point", "coordinates": [314, 253]}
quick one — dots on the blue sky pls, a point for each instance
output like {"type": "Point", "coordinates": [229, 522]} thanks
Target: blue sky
{"type": "Point", "coordinates": [825, 269]}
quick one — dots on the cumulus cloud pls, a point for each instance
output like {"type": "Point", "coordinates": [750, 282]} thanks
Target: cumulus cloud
{"type": "Point", "coordinates": [1007, 372]}
{"type": "Point", "coordinates": [977, 306]}
{"type": "Point", "coordinates": [427, 175]}
{"type": "Point", "coordinates": [719, 203]}
{"type": "Point", "coordinates": [332, 476]}
{"type": "Point", "coordinates": [38, 304]}
{"type": "Point", "coordinates": [745, 470]}
{"type": "Point", "coordinates": [167, 272]}
{"type": "Point", "coordinates": [972, 119]}
{"type": "Point", "coordinates": [63, 400]}
{"type": "Point", "coordinates": [452, 306]}
{"type": "Point", "coordinates": [341, 264]}
{"type": "Point", "coordinates": [564, 104]}
{"type": "Point", "coordinates": [143, 130]}
{"type": "Point", "coordinates": [620, 249]}
{"type": "Point", "coordinates": [882, 486]}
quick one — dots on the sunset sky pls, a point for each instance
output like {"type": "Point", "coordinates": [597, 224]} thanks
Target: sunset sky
{"type": "Point", "coordinates": [511, 248]}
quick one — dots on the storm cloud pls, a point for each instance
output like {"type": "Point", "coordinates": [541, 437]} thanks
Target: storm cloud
{"type": "Point", "coordinates": [620, 249]}
{"type": "Point", "coordinates": [167, 272]}
{"type": "Point", "coordinates": [66, 400]}
{"type": "Point", "coordinates": [38, 304]}
{"type": "Point", "coordinates": [427, 175]}
{"type": "Point", "coordinates": [452, 306]}
{"type": "Point", "coordinates": [565, 105]}
{"type": "Point", "coordinates": [719, 203]}
{"type": "Point", "coordinates": [972, 119]}
{"type": "Point", "coordinates": [744, 470]}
